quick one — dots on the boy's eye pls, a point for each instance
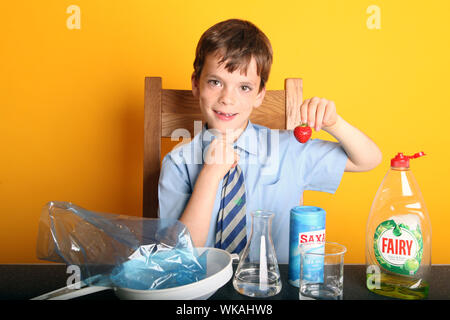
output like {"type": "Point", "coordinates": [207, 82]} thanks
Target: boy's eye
{"type": "Point", "coordinates": [246, 88]}
{"type": "Point", "coordinates": [214, 82]}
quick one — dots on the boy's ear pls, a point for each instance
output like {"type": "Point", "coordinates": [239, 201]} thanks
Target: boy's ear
{"type": "Point", "coordinates": [195, 89]}
{"type": "Point", "coordinates": [260, 97]}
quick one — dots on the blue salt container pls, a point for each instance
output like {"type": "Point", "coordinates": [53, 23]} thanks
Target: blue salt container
{"type": "Point", "coordinates": [307, 224]}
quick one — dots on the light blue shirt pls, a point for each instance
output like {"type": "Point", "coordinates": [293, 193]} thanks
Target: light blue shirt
{"type": "Point", "coordinates": [277, 169]}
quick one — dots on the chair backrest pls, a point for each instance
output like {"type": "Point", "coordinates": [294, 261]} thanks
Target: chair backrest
{"type": "Point", "coordinates": [167, 110]}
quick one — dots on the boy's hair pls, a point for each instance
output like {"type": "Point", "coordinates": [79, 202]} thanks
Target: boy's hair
{"type": "Point", "coordinates": [237, 41]}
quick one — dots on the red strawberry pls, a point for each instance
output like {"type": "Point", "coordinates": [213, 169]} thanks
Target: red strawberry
{"type": "Point", "coordinates": [302, 133]}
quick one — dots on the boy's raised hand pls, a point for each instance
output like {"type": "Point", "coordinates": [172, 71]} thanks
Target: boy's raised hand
{"type": "Point", "coordinates": [318, 113]}
{"type": "Point", "coordinates": [220, 157]}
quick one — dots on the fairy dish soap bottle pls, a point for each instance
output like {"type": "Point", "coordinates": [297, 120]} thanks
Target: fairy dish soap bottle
{"type": "Point", "coordinates": [398, 236]}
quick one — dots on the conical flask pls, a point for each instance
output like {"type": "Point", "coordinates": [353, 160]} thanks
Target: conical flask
{"type": "Point", "coordinates": [257, 274]}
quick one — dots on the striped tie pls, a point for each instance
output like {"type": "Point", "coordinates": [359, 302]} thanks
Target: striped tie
{"type": "Point", "coordinates": [231, 234]}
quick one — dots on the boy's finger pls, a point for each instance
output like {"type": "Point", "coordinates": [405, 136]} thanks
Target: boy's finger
{"type": "Point", "coordinates": [236, 159]}
{"type": "Point", "coordinates": [330, 113]}
{"type": "Point", "coordinates": [211, 146]}
{"type": "Point", "coordinates": [304, 111]}
{"type": "Point", "coordinates": [321, 107]}
{"type": "Point", "coordinates": [312, 111]}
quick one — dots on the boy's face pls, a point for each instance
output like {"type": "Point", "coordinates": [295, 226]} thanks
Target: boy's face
{"type": "Point", "coordinates": [227, 99]}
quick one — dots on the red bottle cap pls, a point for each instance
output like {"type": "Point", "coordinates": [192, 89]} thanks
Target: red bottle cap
{"type": "Point", "coordinates": [402, 161]}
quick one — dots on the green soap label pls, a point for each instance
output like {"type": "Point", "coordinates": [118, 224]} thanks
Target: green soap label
{"type": "Point", "coordinates": [398, 247]}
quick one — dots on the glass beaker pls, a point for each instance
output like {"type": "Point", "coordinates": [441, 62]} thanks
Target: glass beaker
{"type": "Point", "coordinates": [257, 274]}
{"type": "Point", "coordinates": [322, 271]}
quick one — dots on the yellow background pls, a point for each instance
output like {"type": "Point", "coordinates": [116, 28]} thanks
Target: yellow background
{"type": "Point", "coordinates": [71, 101]}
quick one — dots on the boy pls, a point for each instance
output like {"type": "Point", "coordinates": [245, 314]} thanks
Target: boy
{"type": "Point", "coordinates": [243, 166]}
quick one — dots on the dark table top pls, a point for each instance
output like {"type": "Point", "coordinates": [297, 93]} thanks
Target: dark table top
{"type": "Point", "coordinates": [25, 281]}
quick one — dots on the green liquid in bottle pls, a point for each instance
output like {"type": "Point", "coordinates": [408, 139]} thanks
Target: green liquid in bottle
{"type": "Point", "coordinates": [398, 287]}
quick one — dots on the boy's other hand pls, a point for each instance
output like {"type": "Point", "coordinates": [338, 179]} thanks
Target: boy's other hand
{"type": "Point", "coordinates": [318, 113]}
{"type": "Point", "coordinates": [220, 157]}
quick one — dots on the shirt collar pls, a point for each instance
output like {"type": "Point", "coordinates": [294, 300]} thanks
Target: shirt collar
{"type": "Point", "coordinates": [247, 141]}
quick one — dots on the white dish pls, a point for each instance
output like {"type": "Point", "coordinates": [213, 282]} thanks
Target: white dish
{"type": "Point", "coordinates": [219, 270]}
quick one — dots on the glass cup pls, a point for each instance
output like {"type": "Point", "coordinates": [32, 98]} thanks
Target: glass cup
{"type": "Point", "coordinates": [321, 271]}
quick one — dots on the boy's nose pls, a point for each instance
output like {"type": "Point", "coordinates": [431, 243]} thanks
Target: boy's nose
{"type": "Point", "coordinates": [226, 97]}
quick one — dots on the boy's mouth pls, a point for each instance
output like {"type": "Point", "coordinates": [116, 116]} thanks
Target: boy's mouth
{"type": "Point", "coordinates": [224, 116]}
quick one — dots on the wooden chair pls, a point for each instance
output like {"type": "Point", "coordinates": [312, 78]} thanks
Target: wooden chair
{"type": "Point", "coordinates": [167, 110]}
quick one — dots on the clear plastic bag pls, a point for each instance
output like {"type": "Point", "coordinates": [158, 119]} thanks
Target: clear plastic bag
{"type": "Point", "coordinates": [119, 250]}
